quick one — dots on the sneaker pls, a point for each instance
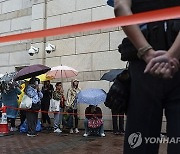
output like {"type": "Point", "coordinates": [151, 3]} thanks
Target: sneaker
{"type": "Point", "coordinates": [85, 135]}
{"type": "Point", "coordinates": [76, 130]}
{"type": "Point", "coordinates": [103, 135]}
{"type": "Point", "coordinates": [57, 130]}
{"type": "Point", "coordinates": [31, 135]}
{"type": "Point", "coordinates": [13, 129]}
{"type": "Point", "coordinates": [71, 131]}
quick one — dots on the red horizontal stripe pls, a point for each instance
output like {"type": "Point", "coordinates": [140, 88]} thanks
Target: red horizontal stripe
{"type": "Point", "coordinates": [151, 16]}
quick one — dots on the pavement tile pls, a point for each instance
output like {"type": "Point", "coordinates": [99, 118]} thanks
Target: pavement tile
{"type": "Point", "coordinates": [51, 143]}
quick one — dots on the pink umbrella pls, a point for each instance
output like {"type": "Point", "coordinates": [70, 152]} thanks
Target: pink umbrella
{"type": "Point", "coordinates": [62, 72]}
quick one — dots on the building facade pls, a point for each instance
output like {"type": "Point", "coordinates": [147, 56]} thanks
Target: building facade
{"type": "Point", "coordinates": [91, 53]}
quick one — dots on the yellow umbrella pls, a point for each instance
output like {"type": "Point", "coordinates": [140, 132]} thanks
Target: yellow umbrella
{"type": "Point", "coordinates": [22, 94]}
{"type": "Point", "coordinates": [42, 77]}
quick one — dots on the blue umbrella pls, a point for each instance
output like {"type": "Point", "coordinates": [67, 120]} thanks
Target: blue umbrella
{"type": "Point", "coordinates": [91, 96]}
{"type": "Point", "coordinates": [110, 3]}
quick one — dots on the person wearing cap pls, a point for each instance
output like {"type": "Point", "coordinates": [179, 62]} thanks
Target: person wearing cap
{"type": "Point", "coordinates": [71, 103]}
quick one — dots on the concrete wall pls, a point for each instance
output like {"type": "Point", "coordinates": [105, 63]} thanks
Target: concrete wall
{"type": "Point", "coordinates": [91, 53]}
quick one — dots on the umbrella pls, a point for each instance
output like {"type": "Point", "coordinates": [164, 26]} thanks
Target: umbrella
{"type": "Point", "coordinates": [62, 72]}
{"type": "Point", "coordinates": [91, 96]}
{"type": "Point", "coordinates": [8, 77]}
{"type": "Point", "coordinates": [110, 3]}
{"type": "Point", "coordinates": [1, 75]}
{"type": "Point", "coordinates": [30, 71]}
{"type": "Point", "coordinates": [111, 75]}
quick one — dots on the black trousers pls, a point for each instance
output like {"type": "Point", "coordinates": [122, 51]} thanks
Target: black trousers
{"type": "Point", "coordinates": [120, 116]}
{"type": "Point", "coordinates": [75, 118]}
{"type": "Point", "coordinates": [22, 116]}
{"type": "Point", "coordinates": [45, 116]}
{"type": "Point", "coordinates": [32, 118]}
{"type": "Point", "coordinates": [149, 95]}
{"type": "Point", "coordinates": [11, 121]}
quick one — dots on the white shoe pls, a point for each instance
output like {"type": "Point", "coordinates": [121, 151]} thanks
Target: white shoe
{"type": "Point", "coordinates": [57, 130]}
{"type": "Point", "coordinates": [13, 129]}
{"type": "Point", "coordinates": [71, 131]}
{"type": "Point", "coordinates": [103, 135]}
{"type": "Point", "coordinates": [85, 135]}
{"type": "Point", "coordinates": [31, 135]}
{"type": "Point", "coordinates": [76, 130]}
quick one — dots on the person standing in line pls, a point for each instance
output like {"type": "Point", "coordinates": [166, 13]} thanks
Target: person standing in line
{"type": "Point", "coordinates": [117, 116]}
{"type": "Point", "coordinates": [47, 91]}
{"type": "Point", "coordinates": [58, 97]}
{"type": "Point", "coordinates": [10, 94]}
{"type": "Point", "coordinates": [33, 91]}
{"type": "Point", "coordinates": [22, 113]}
{"type": "Point", "coordinates": [71, 103]}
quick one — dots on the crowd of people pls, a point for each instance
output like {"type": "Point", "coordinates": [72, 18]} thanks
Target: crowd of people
{"type": "Point", "coordinates": [52, 99]}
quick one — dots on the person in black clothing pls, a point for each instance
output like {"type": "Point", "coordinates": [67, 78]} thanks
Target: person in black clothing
{"type": "Point", "coordinates": [150, 94]}
{"type": "Point", "coordinates": [117, 129]}
{"type": "Point", "coordinates": [47, 91]}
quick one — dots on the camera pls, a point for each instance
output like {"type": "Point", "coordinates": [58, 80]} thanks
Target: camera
{"type": "Point", "coordinates": [50, 48]}
{"type": "Point", "coordinates": [33, 50]}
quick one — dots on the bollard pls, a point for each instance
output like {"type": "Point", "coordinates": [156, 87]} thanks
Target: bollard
{"type": "Point", "coordinates": [3, 123]}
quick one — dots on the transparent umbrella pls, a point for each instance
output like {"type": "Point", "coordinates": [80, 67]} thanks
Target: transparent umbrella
{"type": "Point", "coordinates": [91, 96]}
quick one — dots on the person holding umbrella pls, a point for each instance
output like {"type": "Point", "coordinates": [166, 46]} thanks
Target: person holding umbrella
{"type": "Point", "coordinates": [93, 122]}
{"type": "Point", "coordinates": [32, 90]}
{"type": "Point", "coordinates": [71, 103]}
{"type": "Point", "coordinates": [9, 92]}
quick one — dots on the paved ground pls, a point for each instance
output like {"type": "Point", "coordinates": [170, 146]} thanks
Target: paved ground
{"type": "Point", "coordinates": [51, 143]}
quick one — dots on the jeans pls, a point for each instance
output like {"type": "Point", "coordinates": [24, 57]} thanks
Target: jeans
{"type": "Point", "coordinates": [148, 97]}
{"type": "Point", "coordinates": [74, 112]}
{"type": "Point", "coordinates": [88, 130]}
{"type": "Point", "coordinates": [58, 119]}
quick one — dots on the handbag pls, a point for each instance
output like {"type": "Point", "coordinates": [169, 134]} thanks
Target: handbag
{"type": "Point", "coordinates": [95, 122]}
{"type": "Point", "coordinates": [118, 96]}
{"type": "Point", "coordinates": [127, 49]}
{"type": "Point", "coordinates": [24, 127]}
{"type": "Point", "coordinates": [26, 102]}
{"type": "Point", "coordinates": [54, 105]}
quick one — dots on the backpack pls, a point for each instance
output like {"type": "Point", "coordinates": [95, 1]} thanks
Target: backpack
{"type": "Point", "coordinates": [118, 95]}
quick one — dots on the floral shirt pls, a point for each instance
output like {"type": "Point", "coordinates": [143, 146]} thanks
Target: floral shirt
{"type": "Point", "coordinates": [34, 94]}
